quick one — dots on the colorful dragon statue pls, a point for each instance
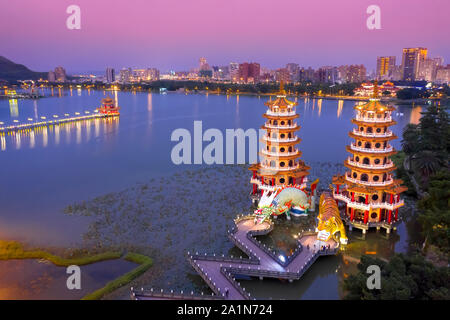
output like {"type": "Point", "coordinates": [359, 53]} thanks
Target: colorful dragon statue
{"type": "Point", "coordinates": [285, 200]}
{"type": "Point", "coordinates": [329, 219]}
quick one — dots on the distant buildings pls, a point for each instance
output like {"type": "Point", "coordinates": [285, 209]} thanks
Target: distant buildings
{"type": "Point", "coordinates": [282, 74]}
{"type": "Point", "coordinates": [128, 75]}
{"type": "Point", "coordinates": [249, 72]}
{"type": "Point", "coordinates": [234, 71]}
{"type": "Point", "coordinates": [110, 75]}
{"type": "Point", "coordinates": [125, 75]}
{"type": "Point", "coordinates": [352, 73]}
{"type": "Point", "coordinates": [59, 75]}
{"type": "Point", "coordinates": [294, 71]}
{"type": "Point", "coordinates": [51, 76]}
{"type": "Point", "coordinates": [415, 65]}
{"type": "Point", "coordinates": [385, 67]}
{"type": "Point", "coordinates": [411, 60]}
{"type": "Point", "coordinates": [327, 74]}
{"type": "Point", "coordinates": [443, 74]}
{"type": "Point", "coordinates": [205, 71]}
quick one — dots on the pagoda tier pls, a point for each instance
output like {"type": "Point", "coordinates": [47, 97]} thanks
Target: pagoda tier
{"type": "Point", "coordinates": [280, 158]}
{"type": "Point", "coordinates": [368, 190]}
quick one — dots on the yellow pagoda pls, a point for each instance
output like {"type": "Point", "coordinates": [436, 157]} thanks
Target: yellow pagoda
{"type": "Point", "coordinates": [368, 190]}
{"type": "Point", "coordinates": [280, 158]}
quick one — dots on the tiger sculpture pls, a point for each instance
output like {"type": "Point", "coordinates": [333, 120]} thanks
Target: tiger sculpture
{"type": "Point", "coordinates": [330, 221]}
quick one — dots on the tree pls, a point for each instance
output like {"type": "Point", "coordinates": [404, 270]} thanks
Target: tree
{"type": "Point", "coordinates": [434, 213]}
{"type": "Point", "coordinates": [411, 140]}
{"type": "Point", "coordinates": [428, 163]}
{"type": "Point", "coordinates": [402, 278]}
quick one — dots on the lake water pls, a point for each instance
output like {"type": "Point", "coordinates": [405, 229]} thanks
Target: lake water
{"type": "Point", "coordinates": [44, 170]}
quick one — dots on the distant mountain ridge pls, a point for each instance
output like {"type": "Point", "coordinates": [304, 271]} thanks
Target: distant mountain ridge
{"type": "Point", "coordinates": [11, 71]}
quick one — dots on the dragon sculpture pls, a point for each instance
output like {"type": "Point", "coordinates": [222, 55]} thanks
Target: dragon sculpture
{"type": "Point", "coordinates": [285, 200]}
{"type": "Point", "coordinates": [329, 219]}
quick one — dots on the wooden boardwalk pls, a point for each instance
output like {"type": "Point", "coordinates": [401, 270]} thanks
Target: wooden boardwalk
{"type": "Point", "coordinates": [219, 272]}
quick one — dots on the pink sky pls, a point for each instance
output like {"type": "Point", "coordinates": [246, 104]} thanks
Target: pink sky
{"type": "Point", "coordinates": [173, 34]}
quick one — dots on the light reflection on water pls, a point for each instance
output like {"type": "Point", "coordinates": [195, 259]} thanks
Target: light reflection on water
{"type": "Point", "coordinates": [37, 279]}
{"type": "Point", "coordinates": [80, 132]}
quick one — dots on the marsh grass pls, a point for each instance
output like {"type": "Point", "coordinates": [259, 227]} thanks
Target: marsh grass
{"type": "Point", "coordinates": [15, 250]}
{"type": "Point", "coordinates": [144, 264]}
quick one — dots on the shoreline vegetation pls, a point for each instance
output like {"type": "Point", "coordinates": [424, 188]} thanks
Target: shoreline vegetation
{"type": "Point", "coordinates": [144, 263]}
{"type": "Point", "coordinates": [10, 250]}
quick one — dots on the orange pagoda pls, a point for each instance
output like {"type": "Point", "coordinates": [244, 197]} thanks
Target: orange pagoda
{"type": "Point", "coordinates": [280, 159]}
{"type": "Point", "coordinates": [108, 107]}
{"type": "Point", "coordinates": [368, 190]}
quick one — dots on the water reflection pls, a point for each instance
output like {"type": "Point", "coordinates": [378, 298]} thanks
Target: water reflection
{"type": "Point", "coordinates": [340, 107]}
{"type": "Point", "coordinates": [415, 115]}
{"type": "Point", "coordinates": [319, 105]}
{"type": "Point", "coordinates": [13, 108]}
{"type": "Point", "coordinates": [81, 130]}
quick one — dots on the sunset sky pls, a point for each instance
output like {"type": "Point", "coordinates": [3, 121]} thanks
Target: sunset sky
{"type": "Point", "coordinates": [173, 34]}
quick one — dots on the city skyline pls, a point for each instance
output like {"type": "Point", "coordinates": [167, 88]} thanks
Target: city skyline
{"type": "Point", "coordinates": [169, 37]}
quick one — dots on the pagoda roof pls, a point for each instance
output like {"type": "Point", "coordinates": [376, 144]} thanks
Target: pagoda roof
{"type": "Point", "coordinates": [281, 101]}
{"type": "Point", "coordinates": [372, 138]}
{"type": "Point", "coordinates": [372, 170]}
{"type": "Point", "coordinates": [380, 154]}
{"type": "Point", "coordinates": [107, 100]}
{"type": "Point", "coordinates": [373, 124]}
{"type": "Point", "coordinates": [374, 105]}
{"type": "Point", "coordinates": [301, 171]}
{"type": "Point", "coordinates": [394, 188]}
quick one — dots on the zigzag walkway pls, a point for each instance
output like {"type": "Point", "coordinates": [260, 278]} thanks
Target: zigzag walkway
{"type": "Point", "coordinates": [219, 272]}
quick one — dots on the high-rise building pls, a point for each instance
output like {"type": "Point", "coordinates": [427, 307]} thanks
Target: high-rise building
{"type": "Point", "coordinates": [125, 75]}
{"type": "Point", "coordinates": [385, 67]}
{"type": "Point", "coordinates": [249, 72]}
{"type": "Point", "coordinates": [51, 76]}
{"type": "Point", "coordinates": [203, 63]}
{"type": "Point", "coordinates": [443, 74]}
{"type": "Point", "coordinates": [60, 74]}
{"type": "Point", "coordinates": [110, 75]}
{"type": "Point", "coordinates": [306, 74]}
{"type": "Point", "coordinates": [428, 68]}
{"type": "Point", "coordinates": [234, 71]}
{"type": "Point", "coordinates": [282, 74]}
{"type": "Point", "coordinates": [352, 73]}
{"type": "Point", "coordinates": [326, 74]}
{"type": "Point", "coordinates": [411, 60]}
{"type": "Point", "coordinates": [294, 71]}
{"type": "Point", "coordinates": [152, 74]}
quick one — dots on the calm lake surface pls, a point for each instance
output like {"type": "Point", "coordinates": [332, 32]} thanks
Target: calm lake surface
{"type": "Point", "coordinates": [45, 170]}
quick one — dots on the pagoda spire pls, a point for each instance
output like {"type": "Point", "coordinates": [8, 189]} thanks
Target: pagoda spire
{"type": "Point", "coordinates": [282, 91]}
{"type": "Point", "coordinates": [375, 90]}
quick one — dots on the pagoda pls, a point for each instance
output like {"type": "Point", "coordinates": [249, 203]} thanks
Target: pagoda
{"type": "Point", "coordinates": [280, 159]}
{"type": "Point", "coordinates": [108, 107]}
{"type": "Point", "coordinates": [368, 190]}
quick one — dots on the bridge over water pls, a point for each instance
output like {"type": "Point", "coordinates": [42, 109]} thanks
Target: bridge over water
{"type": "Point", "coordinates": [219, 272]}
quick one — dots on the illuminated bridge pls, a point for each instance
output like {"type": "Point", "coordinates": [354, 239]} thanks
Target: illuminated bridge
{"type": "Point", "coordinates": [57, 120]}
{"type": "Point", "coordinates": [219, 271]}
